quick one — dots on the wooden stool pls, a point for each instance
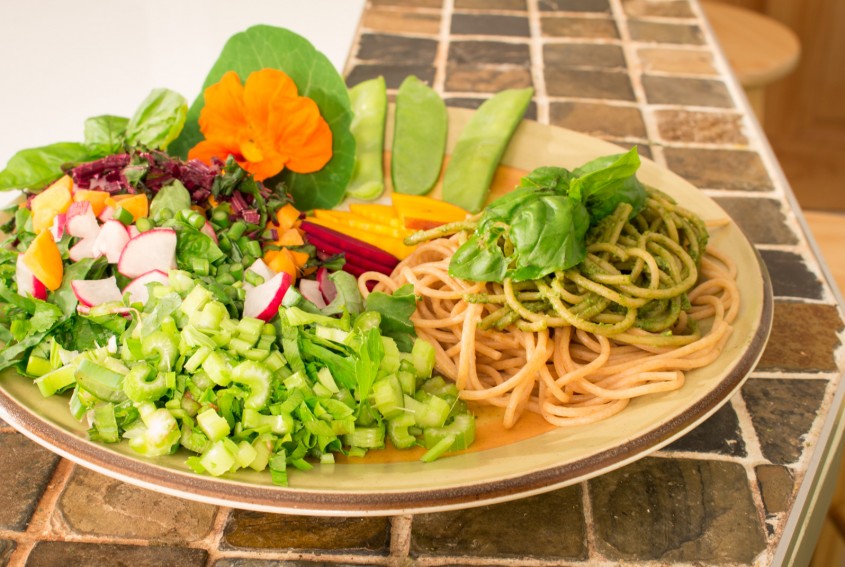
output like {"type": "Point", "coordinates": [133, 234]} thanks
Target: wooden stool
{"type": "Point", "coordinates": [760, 50]}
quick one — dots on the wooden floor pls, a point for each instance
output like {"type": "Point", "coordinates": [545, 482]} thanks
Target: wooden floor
{"type": "Point", "coordinates": [829, 232]}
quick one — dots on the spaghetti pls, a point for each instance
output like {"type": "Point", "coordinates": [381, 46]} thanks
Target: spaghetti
{"type": "Point", "coordinates": [649, 302]}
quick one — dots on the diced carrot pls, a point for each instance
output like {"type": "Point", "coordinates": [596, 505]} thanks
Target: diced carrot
{"type": "Point", "coordinates": [45, 261]}
{"type": "Point", "coordinates": [389, 244]}
{"type": "Point", "coordinates": [290, 237]}
{"type": "Point", "coordinates": [281, 261]}
{"type": "Point", "coordinates": [137, 204]}
{"type": "Point", "coordinates": [56, 199]}
{"type": "Point", "coordinates": [299, 258]}
{"type": "Point", "coordinates": [287, 217]}
{"type": "Point", "coordinates": [96, 198]}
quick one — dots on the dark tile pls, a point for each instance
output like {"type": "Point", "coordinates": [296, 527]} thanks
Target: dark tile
{"type": "Point", "coordinates": [808, 346]}
{"type": "Point", "coordinates": [676, 510]}
{"type": "Point", "coordinates": [776, 487]}
{"type": "Point", "coordinates": [685, 91]}
{"type": "Point", "coordinates": [646, 8]}
{"type": "Point", "coordinates": [575, 5]}
{"type": "Point", "coordinates": [583, 55]}
{"type": "Point", "coordinates": [253, 562]}
{"type": "Point", "coordinates": [490, 24]}
{"type": "Point", "coordinates": [7, 547]}
{"type": "Point", "coordinates": [393, 74]}
{"type": "Point", "coordinates": [588, 84]}
{"type": "Point", "coordinates": [762, 220]}
{"type": "Point", "coordinates": [52, 553]}
{"type": "Point", "coordinates": [546, 527]}
{"type": "Point", "coordinates": [474, 78]}
{"type": "Point", "coordinates": [515, 5]}
{"type": "Point", "coordinates": [602, 120]}
{"type": "Point", "coordinates": [719, 434]}
{"type": "Point", "coordinates": [566, 26]}
{"type": "Point", "coordinates": [26, 470]}
{"type": "Point", "coordinates": [719, 169]}
{"type": "Point", "coordinates": [399, 21]}
{"type": "Point", "coordinates": [257, 530]}
{"type": "Point", "coordinates": [782, 412]}
{"type": "Point", "coordinates": [658, 32]}
{"type": "Point", "coordinates": [396, 49]}
{"type": "Point", "coordinates": [790, 275]}
{"type": "Point", "coordinates": [679, 61]}
{"type": "Point", "coordinates": [700, 127]}
{"type": "Point", "coordinates": [468, 102]}
{"type": "Point", "coordinates": [92, 504]}
{"type": "Point", "coordinates": [489, 52]}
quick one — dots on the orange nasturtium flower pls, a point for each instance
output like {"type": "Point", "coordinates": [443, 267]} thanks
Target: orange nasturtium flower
{"type": "Point", "coordinates": [264, 124]}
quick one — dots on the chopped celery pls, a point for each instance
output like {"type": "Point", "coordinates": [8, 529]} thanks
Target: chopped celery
{"type": "Point", "coordinates": [101, 382]}
{"type": "Point", "coordinates": [422, 355]}
{"type": "Point", "coordinates": [214, 426]}
{"type": "Point", "coordinates": [217, 459]}
{"type": "Point", "coordinates": [388, 397]}
{"type": "Point", "coordinates": [56, 381]}
{"type": "Point", "coordinates": [139, 387]}
{"type": "Point", "coordinates": [257, 378]}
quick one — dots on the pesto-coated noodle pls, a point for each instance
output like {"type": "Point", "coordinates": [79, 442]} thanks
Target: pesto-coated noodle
{"type": "Point", "coordinates": [649, 302]}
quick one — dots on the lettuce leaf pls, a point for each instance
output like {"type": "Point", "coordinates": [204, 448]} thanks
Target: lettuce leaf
{"type": "Point", "coordinates": [262, 47]}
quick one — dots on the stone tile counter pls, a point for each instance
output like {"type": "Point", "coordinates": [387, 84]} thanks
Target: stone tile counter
{"type": "Point", "coordinates": [747, 487]}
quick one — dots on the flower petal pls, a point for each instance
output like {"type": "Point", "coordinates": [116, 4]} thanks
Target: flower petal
{"type": "Point", "coordinates": [262, 88]}
{"type": "Point", "coordinates": [224, 114]}
{"type": "Point", "coordinates": [302, 134]}
{"type": "Point", "coordinates": [208, 149]}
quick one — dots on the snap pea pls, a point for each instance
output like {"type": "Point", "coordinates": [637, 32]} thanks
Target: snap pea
{"type": "Point", "coordinates": [480, 146]}
{"type": "Point", "coordinates": [419, 138]}
{"type": "Point", "coordinates": [369, 107]}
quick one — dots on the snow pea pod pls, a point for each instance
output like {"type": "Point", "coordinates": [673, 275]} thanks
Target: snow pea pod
{"type": "Point", "coordinates": [369, 108]}
{"type": "Point", "coordinates": [419, 138]}
{"type": "Point", "coordinates": [480, 146]}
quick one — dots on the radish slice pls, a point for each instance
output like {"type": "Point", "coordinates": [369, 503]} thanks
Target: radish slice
{"type": "Point", "coordinates": [28, 284]}
{"type": "Point", "coordinates": [260, 268]}
{"type": "Point", "coordinates": [111, 241]}
{"type": "Point", "coordinates": [310, 290]}
{"type": "Point", "coordinates": [107, 214]}
{"type": "Point", "coordinates": [327, 287]}
{"type": "Point", "coordinates": [82, 249]}
{"type": "Point", "coordinates": [81, 221]}
{"type": "Point", "coordinates": [208, 230]}
{"type": "Point", "coordinates": [137, 288]}
{"type": "Point", "coordinates": [263, 301]}
{"type": "Point", "coordinates": [151, 250]}
{"type": "Point", "coordinates": [59, 226]}
{"type": "Point", "coordinates": [133, 231]}
{"type": "Point", "coordinates": [95, 292]}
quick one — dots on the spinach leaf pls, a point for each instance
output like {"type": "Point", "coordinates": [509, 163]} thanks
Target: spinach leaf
{"type": "Point", "coordinates": [105, 135]}
{"type": "Point", "coordinates": [195, 244]}
{"type": "Point", "coordinates": [396, 310]}
{"type": "Point", "coordinates": [608, 181]}
{"type": "Point", "coordinates": [261, 47]}
{"type": "Point", "coordinates": [158, 121]}
{"type": "Point", "coordinates": [34, 168]}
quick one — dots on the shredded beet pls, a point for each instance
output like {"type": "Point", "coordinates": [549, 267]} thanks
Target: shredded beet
{"type": "Point", "coordinates": [251, 216]}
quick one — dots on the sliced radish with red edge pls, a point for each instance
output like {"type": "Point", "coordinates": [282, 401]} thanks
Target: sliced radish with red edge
{"type": "Point", "coordinates": [137, 288]}
{"type": "Point", "coordinates": [96, 292]}
{"type": "Point", "coordinates": [151, 250]}
{"type": "Point", "coordinates": [263, 301]}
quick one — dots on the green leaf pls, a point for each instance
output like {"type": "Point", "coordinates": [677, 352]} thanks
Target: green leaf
{"type": "Point", "coordinates": [173, 198]}
{"type": "Point", "coordinates": [607, 181]}
{"type": "Point", "coordinates": [396, 310]}
{"type": "Point", "coordinates": [104, 135]}
{"type": "Point", "coordinates": [262, 47]}
{"type": "Point", "coordinates": [480, 259]}
{"type": "Point", "coordinates": [158, 121]}
{"type": "Point", "coordinates": [348, 297]}
{"type": "Point", "coordinates": [35, 168]}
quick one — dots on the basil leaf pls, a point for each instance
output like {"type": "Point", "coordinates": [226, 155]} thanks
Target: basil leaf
{"type": "Point", "coordinates": [35, 168]}
{"type": "Point", "coordinates": [548, 235]}
{"type": "Point", "coordinates": [480, 259]}
{"type": "Point", "coordinates": [262, 47]}
{"type": "Point", "coordinates": [549, 177]}
{"type": "Point", "coordinates": [158, 121]}
{"type": "Point", "coordinates": [105, 134]}
{"type": "Point", "coordinates": [608, 181]}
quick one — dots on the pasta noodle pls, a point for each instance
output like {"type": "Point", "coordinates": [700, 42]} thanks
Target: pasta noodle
{"type": "Point", "coordinates": [649, 302]}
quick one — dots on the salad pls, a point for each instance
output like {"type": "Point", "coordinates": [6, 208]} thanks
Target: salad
{"type": "Point", "coordinates": [159, 276]}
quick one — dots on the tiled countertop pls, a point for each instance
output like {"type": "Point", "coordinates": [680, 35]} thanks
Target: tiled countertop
{"type": "Point", "coordinates": [746, 487]}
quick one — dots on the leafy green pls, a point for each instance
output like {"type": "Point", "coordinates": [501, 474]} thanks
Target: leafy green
{"type": "Point", "coordinates": [192, 244]}
{"type": "Point", "coordinates": [171, 198]}
{"type": "Point", "coordinates": [543, 223]}
{"type": "Point", "coordinates": [158, 121]}
{"type": "Point", "coordinates": [348, 297]}
{"type": "Point", "coordinates": [396, 310]}
{"type": "Point", "coordinates": [34, 168]}
{"type": "Point", "coordinates": [261, 47]}
{"type": "Point", "coordinates": [105, 134]}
